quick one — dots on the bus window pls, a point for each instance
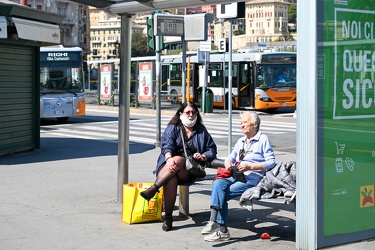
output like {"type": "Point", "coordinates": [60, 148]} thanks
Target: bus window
{"type": "Point", "coordinates": [276, 75]}
{"type": "Point", "coordinates": [234, 75]}
{"type": "Point", "coordinates": [215, 76]}
{"type": "Point", "coordinates": [175, 74]}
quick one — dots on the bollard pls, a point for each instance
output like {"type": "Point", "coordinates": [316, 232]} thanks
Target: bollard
{"type": "Point", "coordinates": [184, 201]}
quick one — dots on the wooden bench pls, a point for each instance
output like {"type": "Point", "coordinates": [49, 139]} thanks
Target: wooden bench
{"type": "Point", "coordinates": [184, 194]}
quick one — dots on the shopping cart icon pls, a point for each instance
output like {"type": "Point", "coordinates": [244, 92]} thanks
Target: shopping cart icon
{"type": "Point", "coordinates": [340, 148]}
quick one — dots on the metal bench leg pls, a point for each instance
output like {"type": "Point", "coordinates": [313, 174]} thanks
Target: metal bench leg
{"type": "Point", "coordinates": [184, 201]}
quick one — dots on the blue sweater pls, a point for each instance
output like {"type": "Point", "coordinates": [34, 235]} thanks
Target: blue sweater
{"type": "Point", "coordinates": [200, 141]}
{"type": "Point", "coordinates": [258, 149]}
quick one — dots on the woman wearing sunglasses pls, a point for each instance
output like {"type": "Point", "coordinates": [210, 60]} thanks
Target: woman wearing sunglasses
{"type": "Point", "coordinates": [170, 169]}
{"type": "Point", "coordinates": [251, 156]}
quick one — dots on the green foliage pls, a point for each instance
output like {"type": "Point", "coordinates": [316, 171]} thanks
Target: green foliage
{"type": "Point", "coordinates": [239, 32]}
{"type": "Point", "coordinates": [139, 45]}
{"type": "Point", "coordinates": [292, 13]}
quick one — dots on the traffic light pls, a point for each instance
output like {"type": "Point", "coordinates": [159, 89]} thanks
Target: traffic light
{"type": "Point", "coordinates": [150, 33]}
{"type": "Point", "coordinates": [151, 38]}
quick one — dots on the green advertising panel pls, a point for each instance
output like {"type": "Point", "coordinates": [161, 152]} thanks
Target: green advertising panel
{"type": "Point", "coordinates": [346, 129]}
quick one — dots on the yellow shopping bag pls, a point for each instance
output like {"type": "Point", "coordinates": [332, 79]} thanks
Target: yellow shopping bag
{"type": "Point", "coordinates": [135, 209]}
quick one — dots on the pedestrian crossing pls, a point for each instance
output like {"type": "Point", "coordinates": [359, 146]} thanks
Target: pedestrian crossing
{"type": "Point", "coordinates": [144, 130]}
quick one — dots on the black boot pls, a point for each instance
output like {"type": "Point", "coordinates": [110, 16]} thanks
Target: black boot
{"type": "Point", "coordinates": [160, 181]}
{"type": "Point", "coordinates": [167, 224]}
{"type": "Point", "coordinates": [150, 192]}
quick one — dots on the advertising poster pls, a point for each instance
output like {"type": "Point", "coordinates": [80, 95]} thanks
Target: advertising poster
{"type": "Point", "coordinates": [346, 129]}
{"type": "Point", "coordinates": [145, 81]}
{"type": "Point", "coordinates": [105, 81]}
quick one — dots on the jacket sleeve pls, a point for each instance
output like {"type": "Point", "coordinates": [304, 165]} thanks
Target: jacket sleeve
{"type": "Point", "coordinates": [210, 147]}
{"type": "Point", "coordinates": [269, 155]}
{"type": "Point", "coordinates": [206, 144]}
{"type": "Point", "coordinates": [169, 140]}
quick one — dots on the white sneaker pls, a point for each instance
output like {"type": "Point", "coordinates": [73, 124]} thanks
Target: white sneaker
{"type": "Point", "coordinates": [209, 227]}
{"type": "Point", "coordinates": [217, 236]}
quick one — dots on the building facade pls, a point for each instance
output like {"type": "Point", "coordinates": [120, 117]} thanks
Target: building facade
{"type": "Point", "coordinates": [75, 25]}
{"type": "Point", "coordinates": [105, 34]}
{"type": "Point", "coordinates": [265, 21]}
{"type": "Point", "coordinates": [98, 32]}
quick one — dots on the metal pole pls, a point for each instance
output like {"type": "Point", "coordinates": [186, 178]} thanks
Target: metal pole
{"type": "Point", "coordinates": [183, 92]}
{"type": "Point", "coordinates": [158, 90]}
{"type": "Point", "coordinates": [230, 89]}
{"type": "Point", "coordinates": [205, 83]}
{"type": "Point", "coordinates": [224, 73]}
{"type": "Point", "coordinates": [124, 105]}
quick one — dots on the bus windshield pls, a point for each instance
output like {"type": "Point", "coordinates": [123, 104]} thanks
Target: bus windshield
{"type": "Point", "coordinates": [274, 76]}
{"type": "Point", "coordinates": [60, 78]}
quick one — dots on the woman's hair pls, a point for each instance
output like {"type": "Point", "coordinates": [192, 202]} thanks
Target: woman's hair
{"type": "Point", "coordinates": [253, 117]}
{"type": "Point", "coordinates": [176, 118]}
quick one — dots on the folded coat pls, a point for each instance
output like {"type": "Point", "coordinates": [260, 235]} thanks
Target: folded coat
{"type": "Point", "coordinates": [278, 181]}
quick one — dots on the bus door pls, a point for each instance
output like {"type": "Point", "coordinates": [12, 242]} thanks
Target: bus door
{"type": "Point", "coordinates": [164, 81]}
{"type": "Point", "coordinates": [245, 85]}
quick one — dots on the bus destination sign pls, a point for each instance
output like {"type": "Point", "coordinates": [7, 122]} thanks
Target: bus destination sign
{"type": "Point", "coordinates": [169, 25]}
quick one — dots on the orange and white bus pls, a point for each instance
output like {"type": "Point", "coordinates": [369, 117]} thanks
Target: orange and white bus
{"type": "Point", "coordinates": [61, 83]}
{"type": "Point", "coordinates": [260, 80]}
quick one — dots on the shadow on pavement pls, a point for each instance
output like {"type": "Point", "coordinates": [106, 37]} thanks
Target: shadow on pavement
{"type": "Point", "coordinates": [55, 149]}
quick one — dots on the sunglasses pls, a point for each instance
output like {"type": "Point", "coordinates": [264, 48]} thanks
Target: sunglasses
{"type": "Point", "coordinates": [193, 113]}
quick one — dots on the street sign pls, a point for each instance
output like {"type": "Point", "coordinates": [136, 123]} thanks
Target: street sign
{"type": "Point", "coordinates": [230, 10]}
{"type": "Point", "coordinates": [206, 45]}
{"type": "Point", "coordinates": [222, 45]}
{"type": "Point", "coordinates": [169, 25]}
{"type": "Point", "coordinates": [203, 56]}
{"type": "Point", "coordinates": [195, 27]}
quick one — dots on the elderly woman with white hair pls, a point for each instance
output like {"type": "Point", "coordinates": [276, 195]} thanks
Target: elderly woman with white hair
{"type": "Point", "coordinates": [252, 155]}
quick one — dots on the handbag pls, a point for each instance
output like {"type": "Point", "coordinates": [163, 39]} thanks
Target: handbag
{"type": "Point", "coordinates": [192, 166]}
{"type": "Point", "coordinates": [223, 173]}
{"type": "Point", "coordinates": [135, 209]}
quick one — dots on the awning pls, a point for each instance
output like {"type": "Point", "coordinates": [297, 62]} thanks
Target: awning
{"type": "Point", "coordinates": [37, 31]}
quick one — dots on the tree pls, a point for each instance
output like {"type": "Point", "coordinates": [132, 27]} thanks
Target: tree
{"type": "Point", "coordinates": [139, 45]}
{"type": "Point", "coordinates": [239, 32]}
{"type": "Point", "coordinates": [292, 13]}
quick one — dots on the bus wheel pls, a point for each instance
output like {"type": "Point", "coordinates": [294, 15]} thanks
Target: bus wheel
{"type": "Point", "coordinates": [62, 119]}
{"type": "Point", "coordinates": [174, 97]}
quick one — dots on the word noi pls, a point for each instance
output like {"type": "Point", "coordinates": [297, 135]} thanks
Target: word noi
{"type": "Point", "coordinates": [357, 30]}
{"type": "Point", "coordinates": [356, 90]}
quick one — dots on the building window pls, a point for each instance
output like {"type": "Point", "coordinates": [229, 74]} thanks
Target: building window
{"type": "Point", "coordinates": [61, 10]}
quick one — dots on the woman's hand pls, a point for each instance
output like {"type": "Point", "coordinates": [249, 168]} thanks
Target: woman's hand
{"type": "Point", "coordinates": [228, 165]}
{"type": "Point", "coordinates": [200, 157]}
{"type": "Point", "coordinates": [171, 165]}
{"type": "Point", "coordinates": [242, 167]}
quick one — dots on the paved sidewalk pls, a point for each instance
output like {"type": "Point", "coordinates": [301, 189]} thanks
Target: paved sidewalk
{"type": "Point", "coordinates": [64, 196]}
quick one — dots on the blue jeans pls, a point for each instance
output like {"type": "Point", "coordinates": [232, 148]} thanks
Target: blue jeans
{"type": "Point", "coordinates": [224, 190]}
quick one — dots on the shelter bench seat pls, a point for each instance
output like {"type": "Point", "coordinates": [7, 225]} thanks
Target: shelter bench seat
{"type": "Point", "coordinates": [184, 194]}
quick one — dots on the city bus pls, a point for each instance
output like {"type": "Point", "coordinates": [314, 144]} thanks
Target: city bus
{"type": "Point", "coordinates": [260, 80]}
{"type": "Point", "coordinates": [62, 92]}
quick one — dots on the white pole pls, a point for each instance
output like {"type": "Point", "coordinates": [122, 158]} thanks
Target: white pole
{"type": "Point", "coordinates": [230, 89]}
